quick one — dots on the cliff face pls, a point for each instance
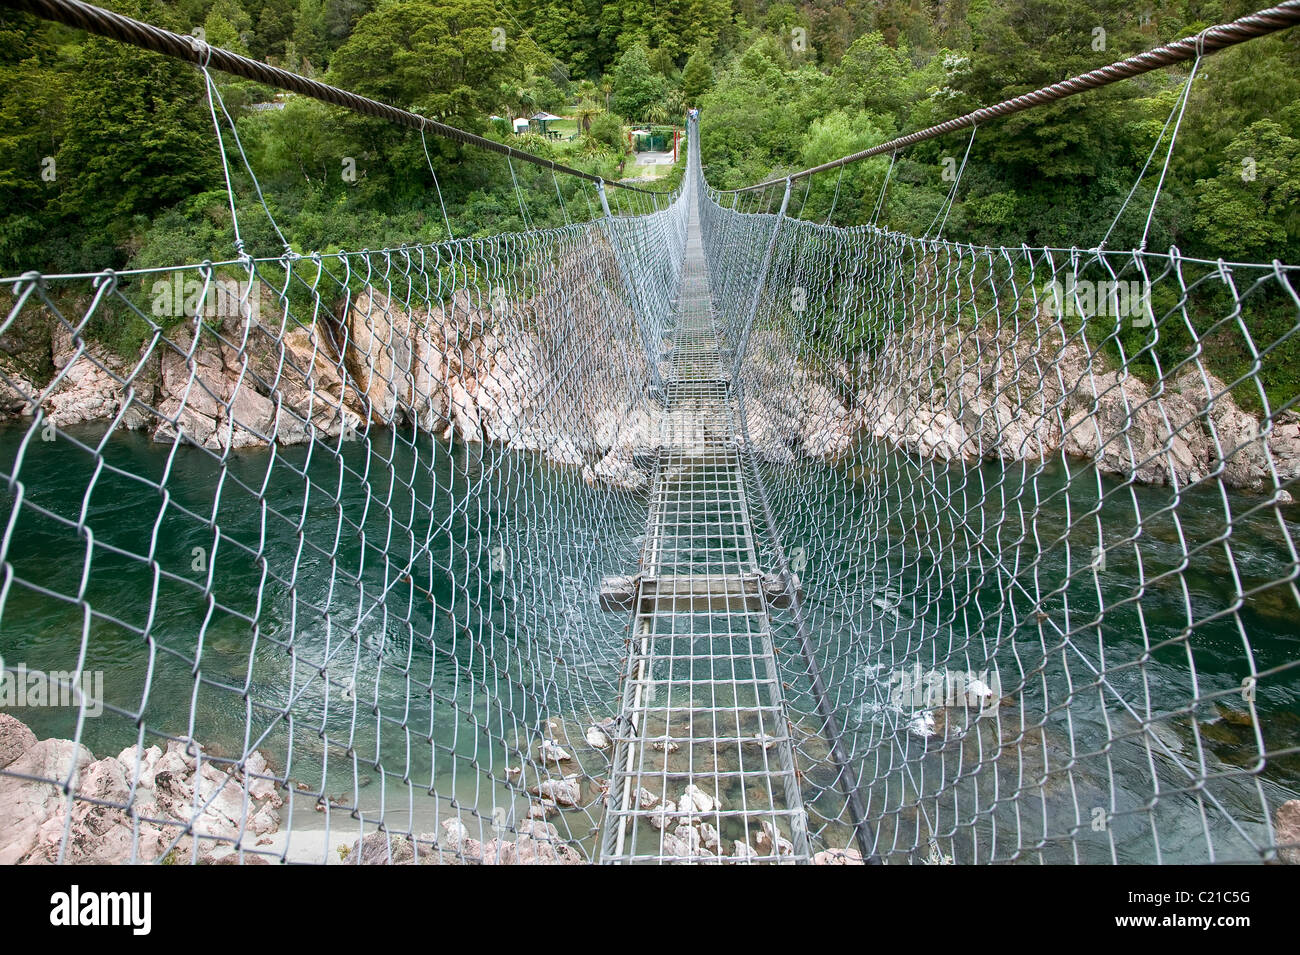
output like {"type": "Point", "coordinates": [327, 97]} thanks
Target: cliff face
{"type": "Point", "coordinates": [458, 371]}
{"type": "Point", "coordinates": [963, 399]}
{"type": "Point", "coordinates": [461, 372]}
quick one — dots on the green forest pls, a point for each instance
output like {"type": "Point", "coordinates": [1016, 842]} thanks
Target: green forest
{"type": "Point", "coordinates": [108, 156]}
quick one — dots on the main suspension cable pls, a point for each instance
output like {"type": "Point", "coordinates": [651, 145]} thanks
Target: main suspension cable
{"type": "Point", "coordinates": [1210, 40]}
{"type": "Point", "coordinates": [115, 26]}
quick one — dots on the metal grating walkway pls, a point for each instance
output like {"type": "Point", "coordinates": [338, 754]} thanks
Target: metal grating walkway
{"type": "Point", "coordinates": [705, 769]}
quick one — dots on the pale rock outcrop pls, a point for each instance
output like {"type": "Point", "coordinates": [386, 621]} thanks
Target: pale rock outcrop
{"type": "Point", "coordinates": [32, 813]}
{"type": "Point", "coordinates": [300, 366]}
{"type": "Point", "coordinates": [455, 369]}
{"type": "Point", "coordinates": [15, 739]}
{"type": "Point", "coordinates": [1286, 822]}
{"type": "Point", "coordinates": [219, 395]}
{"type": "Point", "coordinates": [132, 807]}
{"type": "Point", "coordinates": [89, 384]}
{"type": "Point", "coordinates": [616, 469]}
{"type": "Point", "coordinates": [382, 848]}
{"type": "Point", "coordinates": [537, 843]}
{"type": "Point", "coordinates": [16, 390]}
{"type": "Point", "coordinates": [849, 856]}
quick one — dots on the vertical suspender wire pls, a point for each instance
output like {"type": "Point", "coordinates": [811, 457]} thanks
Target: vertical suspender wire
{"type": "Point", "coordinates": [442, 205]}
{"type": "Point", "coordinates": [951, 198]}
{"type": "Point", "coordinates": [1173, 137]}
{"type": "Point", "coordinates": [215, 100]}
{"type": "Point", "coordinates": [1175, 113]}
{"type": "Point", "coordinates": [880, 201]}
{"type": "Point", "coordinates": [807, 187]}
{"type": "Point", "coordinates": [563, 208]}
{"type": "Point", "coordinates": [836, 198]}
{"type": "Point", "coordinates": [519, 196]}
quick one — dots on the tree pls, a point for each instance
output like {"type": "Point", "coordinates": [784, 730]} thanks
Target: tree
{"type": "Point", "coordinates": [708, 22]}
{"type": "Point", "coordinates": [872, 75]}
{"type": "Point", "coordinates": [309, 33]}
{"type": "Point", "coordinates": [608, 129]}
{"type": "Point", "coordinates": [138, 137]}
{"type": "Point", "coordinates": [585, 112]}
{"type": "Point", "coordinates": [274, 28]}
{"type": "Point", "coordinates": [437, 57]}
{"type": "Point", "coordinates": [636, 86]}
{"type": "Point", "coordinates": [697, 78]}
{"type": "Point", "coordinates": [341, 16]}
{"type": "Point", "coordinates": [661, 61]}
{"type": "Point", "coordinates": [228, 26]}
{"type": "Point", "coordinates": [854, 191]}
{"type": "Point", "coordinates": [1250, 209]}
{"type": "Point", "coordinates": [31, 104]}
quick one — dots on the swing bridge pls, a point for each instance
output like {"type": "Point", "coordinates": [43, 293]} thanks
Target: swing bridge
{"type": "Point", "coordinates": [696, 531]}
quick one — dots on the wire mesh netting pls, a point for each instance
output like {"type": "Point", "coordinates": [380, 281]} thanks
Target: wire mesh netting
{"type": "Point", "coordinates": [320, 558]}
{"type": "Point", "coordinates": [1038, 502]}
{"type": "Point", "coordinates": [700, 534]}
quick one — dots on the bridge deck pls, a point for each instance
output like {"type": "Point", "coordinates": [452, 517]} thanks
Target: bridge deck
{"type": "Point", "coordinates": [702, 697]}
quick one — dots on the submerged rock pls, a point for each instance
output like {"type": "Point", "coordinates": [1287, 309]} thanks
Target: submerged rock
{"type": "Point", "coordinates": [695, 799]}
{"type": "Point", "coordinates": [922, 724]}
{"type": "Point", "coordinates": [664, 816]}
{"type": "Point", "coordinates": [549, 751]}
{"type": "Point", "coordinates": [543, 809]}
{"type": "Point", "coordinates": [770, 841]}
{"type": "Point", "coordinates": [710, 838]}
{"type": "Point", "coordinates": [564, 792]}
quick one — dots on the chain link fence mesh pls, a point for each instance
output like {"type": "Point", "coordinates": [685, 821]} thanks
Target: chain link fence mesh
{"type": "Point", "coordinates": [329, 540]}
{"type": "Point", "coordinates": [1040, 504]}
{"type": "Point", "coordinates": [313, 550]}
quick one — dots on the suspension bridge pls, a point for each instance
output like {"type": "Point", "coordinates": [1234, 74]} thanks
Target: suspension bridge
{"type": "Point", "coordinates": [699, 533]}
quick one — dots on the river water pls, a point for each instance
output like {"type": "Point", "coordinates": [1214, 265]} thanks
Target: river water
{"type": "Point", "coordinates": [390, 621]}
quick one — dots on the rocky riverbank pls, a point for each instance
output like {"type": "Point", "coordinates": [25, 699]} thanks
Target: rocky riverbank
{"type": "Point", "coordinates": [965, 399]}
{"type": "Point", "coordinates": [458, 372]}
{"type": "Point", "coordinates": [143, 805]}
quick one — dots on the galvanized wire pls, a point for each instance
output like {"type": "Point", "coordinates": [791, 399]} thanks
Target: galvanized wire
{"type": "Point", "coordinates": [322, 521]}
{"type": "Point", "coordinates": [852, 546]}
{"type": "Point", "coordinates": [1045, 537]}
